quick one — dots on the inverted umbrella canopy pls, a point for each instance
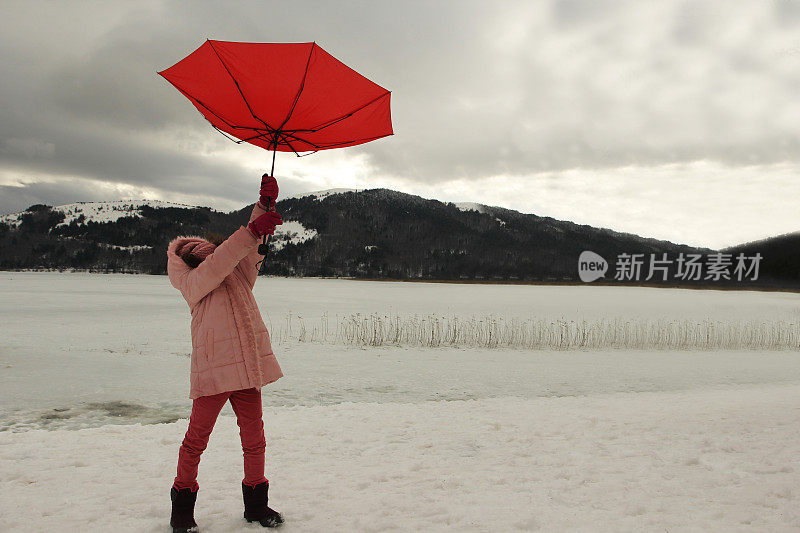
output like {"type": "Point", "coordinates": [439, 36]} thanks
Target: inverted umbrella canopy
{"type": "Point", "coordinates": [287, 97]}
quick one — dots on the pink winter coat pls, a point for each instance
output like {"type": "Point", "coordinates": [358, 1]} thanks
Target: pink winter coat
{"type": "Point", "coordinates": [231, 348]}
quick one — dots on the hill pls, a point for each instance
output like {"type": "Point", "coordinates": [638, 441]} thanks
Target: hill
{"type": "Point", "coordinates": [376, 233]}
{"type": "Point", "coordinates": [781, 256]}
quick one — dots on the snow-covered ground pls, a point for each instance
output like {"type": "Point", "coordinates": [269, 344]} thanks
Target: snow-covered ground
{"type": "Point", "coordinates": [93, 407]}
{"type": "Point", "coordinates": [698, 460]}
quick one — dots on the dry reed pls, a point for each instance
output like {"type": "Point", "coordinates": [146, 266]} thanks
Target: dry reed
{"type": "Point", "coordinates": [541, 333]}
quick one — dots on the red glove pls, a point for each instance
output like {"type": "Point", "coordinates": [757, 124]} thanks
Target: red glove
{"type": "Point", "coordinates": [269, 191]}
{"type": "Point", "coordinates": [265, 224]}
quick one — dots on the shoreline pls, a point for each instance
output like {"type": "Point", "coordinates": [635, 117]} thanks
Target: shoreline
{"type": "Point", "coordinates": [563, 283]}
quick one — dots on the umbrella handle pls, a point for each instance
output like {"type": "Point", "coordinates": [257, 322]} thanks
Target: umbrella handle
{"type": "Point", "coordinates": [263, 248]}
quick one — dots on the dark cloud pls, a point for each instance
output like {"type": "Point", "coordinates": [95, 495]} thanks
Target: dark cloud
{"type": "Point", "coordinates": [479, 88]}
{"type": "Point", "coordinates": [57, 193]}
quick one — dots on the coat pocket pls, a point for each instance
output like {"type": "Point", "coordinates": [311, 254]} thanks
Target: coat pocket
{"type": "Point", "coordinates": [209, 345]}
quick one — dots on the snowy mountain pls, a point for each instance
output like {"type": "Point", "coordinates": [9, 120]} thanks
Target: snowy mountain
{"type": "Point", "coordinates": [84, 213]}
{"type": "Point", "coordinates": [375, 233]}
{"type": "Point", "coordinates": [109, 211]}
{"type": "Point", "coordinates": [320, 195]}
{"type": "Point", "coordinates": [470, 206]}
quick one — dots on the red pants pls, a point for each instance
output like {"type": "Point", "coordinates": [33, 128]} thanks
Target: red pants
{"type": "Point", "coordinates": [246, 404]}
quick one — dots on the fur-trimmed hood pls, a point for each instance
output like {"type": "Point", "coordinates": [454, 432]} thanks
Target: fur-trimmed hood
{"type": "Point", "coordinates": [178, 242]}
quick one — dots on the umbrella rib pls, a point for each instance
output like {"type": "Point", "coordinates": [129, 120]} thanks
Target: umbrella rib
{"type": "Point", "coordinates": [260, 136]}
{"type": "Point", "coordinates": [302, 86]}
{"type": "Point", "coordinates": [275, 134]}
{"type": "Point", "coordinates": [289, 145]}
{"type": "Point", "coordinates": [283, 135]}
{"type": "Point", "coordinates": [207, 108]}
{"type": "Point", "coordinates": [190, 97]}
{"type": "Point", "coordinates": [240, 141]}
{"type": "Point", "coordinates": [224, 134]}
{"type": "Point", "coordinates": [301, 140]}
{"type": "Point", "coordinates": [287, 134]}
{"type": "Point", "coordinates": [241, 93]}
{"type": "Point", "coordinates": [351, 113]}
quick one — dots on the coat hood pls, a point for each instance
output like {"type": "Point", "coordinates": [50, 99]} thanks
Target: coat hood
{"type": "Point", "coordinates": [176, 243]}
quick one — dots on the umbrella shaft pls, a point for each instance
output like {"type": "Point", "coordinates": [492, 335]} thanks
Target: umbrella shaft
{"type": "Point", "coordinates": [263, 248]}
{"type": "Point", "coordinates": [274, 151]}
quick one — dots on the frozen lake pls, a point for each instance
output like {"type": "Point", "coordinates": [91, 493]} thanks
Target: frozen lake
{"type": "Point", "coordinates": [80, 350]}
{"type": "Point", "coordinates": [94, 373]}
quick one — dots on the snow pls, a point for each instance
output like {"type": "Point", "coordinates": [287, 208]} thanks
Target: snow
{"type": "Point", "coordinates": [94, 405]}
{"type": "Point", "coordinates": [470, 206]}
{"type": "Point", "coordinates": [132, 248]}
{"type": "Point", "coordinates": [712, 460]}
{"type": "Point", "coordinates": [109, 211]}
{"type": "Point", "coordinates": [291, 232]}
{"type": "Point", "coordinates": [321, 195]}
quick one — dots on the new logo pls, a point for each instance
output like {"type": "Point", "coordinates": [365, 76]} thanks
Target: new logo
{"type": "Point", "coordinates": [591, 266]}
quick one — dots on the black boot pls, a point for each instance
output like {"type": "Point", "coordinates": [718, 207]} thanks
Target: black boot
{"type": "Point", "coordinates": [182, 519]}
{"type": "Point", "coordinates": [255, 506]}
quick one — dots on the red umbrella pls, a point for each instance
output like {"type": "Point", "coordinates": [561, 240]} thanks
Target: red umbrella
{"type": "Point", "coordinates": [287, 97]}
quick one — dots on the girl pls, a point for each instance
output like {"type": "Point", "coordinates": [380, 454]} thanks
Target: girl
{"type": "Point", "coordinates": [231, 355]}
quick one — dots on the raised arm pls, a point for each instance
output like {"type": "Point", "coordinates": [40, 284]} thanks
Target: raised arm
{"type": "Point", "coordinates": [195, 283]}
{"type": "Point", "coordinates": [248, 265]}
{"type": "Point", "coordinates": [268, 195]}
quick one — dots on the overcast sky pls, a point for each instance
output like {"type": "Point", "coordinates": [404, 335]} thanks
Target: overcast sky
{"type": "Point", "coordinates": [674, 120]}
